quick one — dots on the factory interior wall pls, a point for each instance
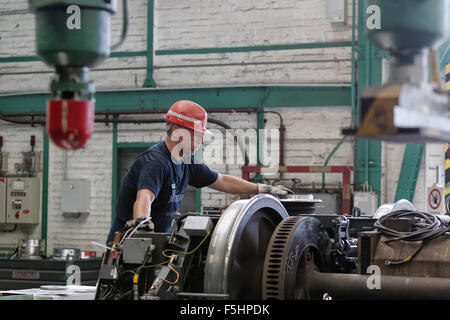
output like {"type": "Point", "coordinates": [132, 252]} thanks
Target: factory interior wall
{"type": "Point", "coordinates": [311, 132]}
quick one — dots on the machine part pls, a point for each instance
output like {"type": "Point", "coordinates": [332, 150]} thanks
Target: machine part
{"type": "Point", "coordinates": [357, 287]}
{"type": "Point", "coordinates": [136, 250]}
{"type": "Point", "coordinates": [70, 123]}
{"type": "Point", "coordinates": [403, 113]}
{"type": "Point", "coordinates": [402, 204]}
{"type": "Point", "coordinates": [73, 37]}
{"type": "Point", "coordinates": [238, 246]}
{"type": "Point", "coordinates": [294, 239]}
{"type": "Point", "coordinates": [409, 108]}
{"type": "Point", "coordinates": [427, 20]}
{"type": "Point", "coordinates": [299, 203]}
{"type": "Point", "coordinates": [31, 249]}
{"type": "Point", "coordinates": [198, 225]}
{"type": "Point", "coordinates": [66, 253]}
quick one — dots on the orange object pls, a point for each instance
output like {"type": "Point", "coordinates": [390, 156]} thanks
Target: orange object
{"type": "Point", "coordinates": [188, 114]}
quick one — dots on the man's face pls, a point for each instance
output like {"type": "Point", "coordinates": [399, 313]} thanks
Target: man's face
{"type": "Point", "coordinates": [189, 139]}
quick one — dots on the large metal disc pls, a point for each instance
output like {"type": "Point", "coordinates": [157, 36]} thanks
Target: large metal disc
{"type": "Point", "coordinates": [295, 241]}
{"type": "Point", "coordinates": [238, 246]}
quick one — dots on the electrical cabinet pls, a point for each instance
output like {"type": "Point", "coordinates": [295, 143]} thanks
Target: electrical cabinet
{"type": "Point", "coordinates": [22, 200]}
{"type": "Point", "coordinates": [75, 196]}
{"type": "Point", "coordinates": [367, 202]}
{"type": "Point", "coordinates": [2, 200]}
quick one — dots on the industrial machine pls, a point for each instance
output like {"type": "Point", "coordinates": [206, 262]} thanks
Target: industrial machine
{"type": "Point", "coordinates": [412, 106]}
{"type": "Point", "coordinates": [73, 36]}
{"type": "Point", "coordinates": [257, 250]}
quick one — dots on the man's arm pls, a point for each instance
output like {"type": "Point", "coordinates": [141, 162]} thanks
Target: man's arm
{"type": "Point", "coordinates": [143, 203]}
{"type": "Point", "coordinates": [230, 184]}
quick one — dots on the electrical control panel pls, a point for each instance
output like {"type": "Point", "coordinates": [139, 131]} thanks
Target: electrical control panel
{"type": "Point", "coordinates": [22, 200]}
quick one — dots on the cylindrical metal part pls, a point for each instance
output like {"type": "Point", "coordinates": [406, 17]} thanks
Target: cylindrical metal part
{"type": "Point", "coordinates": [406, 26]}
{"type": "Point", "coordinates": [355, 286]}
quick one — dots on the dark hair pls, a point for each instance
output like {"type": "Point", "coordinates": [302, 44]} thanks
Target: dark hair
{"type": "Point", "coordinates": [169, 128]}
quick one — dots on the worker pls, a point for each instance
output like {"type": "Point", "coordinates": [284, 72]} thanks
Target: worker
{"type": "Point", "coordinates": [157, 179]}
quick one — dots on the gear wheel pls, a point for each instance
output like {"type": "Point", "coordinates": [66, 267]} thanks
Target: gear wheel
{"type": "Point", "coordinates": [295, 241]}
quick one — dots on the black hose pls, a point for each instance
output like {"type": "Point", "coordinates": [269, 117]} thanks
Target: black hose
{"type": "Point", "coordinates": [425, 226]}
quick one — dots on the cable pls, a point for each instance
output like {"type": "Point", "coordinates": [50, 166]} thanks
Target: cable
{"type": "Point", "coordinates": [185, 253]}
{"type": "Point", "coordinates": [426, 226]}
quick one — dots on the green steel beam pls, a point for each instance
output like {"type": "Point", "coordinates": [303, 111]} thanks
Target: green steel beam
{"type": "Point", "coordinates": [115, 173]}
{"type": "Point", "coordinates": [149, 82]}
{"type": "Point", "coordinates": [407, 181]}
{"type": "Point", "coordinates": [294, 46]}
{"type": "Point", "coordinates": [44, 220]}
{"type": "Point", "coordinates": [119, 54]}
{"type": "Point", "coordinates": [210, 98]}
{"type": "Point", "coordinates": [368, 153]}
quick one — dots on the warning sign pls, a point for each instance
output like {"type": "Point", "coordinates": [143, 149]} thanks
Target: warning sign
{"type": "Point", "coordinates": [434, 199]}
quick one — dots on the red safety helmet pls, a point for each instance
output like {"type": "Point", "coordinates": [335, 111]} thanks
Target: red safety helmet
{"type": "Point", "coordinates": [188, 114]}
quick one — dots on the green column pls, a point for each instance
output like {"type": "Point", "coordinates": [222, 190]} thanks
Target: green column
{"type": "Point", "coordinates": [149, 82]}
{"type": "Point", "coordinates": [44, 220]}
{"type": "Point", "coordinates": [368, 153]}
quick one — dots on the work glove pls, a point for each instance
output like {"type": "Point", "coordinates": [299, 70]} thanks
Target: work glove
{"type": "Point", "coordinates": [135, 222]}
{"type": "Point", "coordinates": [278, 190]}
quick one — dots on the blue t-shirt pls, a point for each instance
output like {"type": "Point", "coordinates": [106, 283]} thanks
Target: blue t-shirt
{"type": "Point", "coordinates": [154, 170]}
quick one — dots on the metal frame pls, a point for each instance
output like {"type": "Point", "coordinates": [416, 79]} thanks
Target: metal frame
{"type": "Point", "coordinates": [345, 170]}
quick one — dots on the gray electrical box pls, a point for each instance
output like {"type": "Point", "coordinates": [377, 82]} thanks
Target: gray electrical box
{"type": "Point", "coordinates": [75, 196]}
{"type": "Point", "coordinates": [22, 200]}
{"type": "Point", "coordinates": [2, 200]}
{"type": "Point", "coordinates": [366, 201]}
{"type": "Point", "coordinates": [197, 225]}
{"type": "Point", "coordinates": [135, 250]}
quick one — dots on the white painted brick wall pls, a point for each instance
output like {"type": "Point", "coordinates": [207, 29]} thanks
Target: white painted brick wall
{"type": "Point", "coordinates": [94, 163]}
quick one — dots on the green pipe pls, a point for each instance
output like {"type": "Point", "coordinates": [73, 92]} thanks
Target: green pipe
{"type": "Point", "coordinates": [352, 91]}
{"type": "Point", "coordinates": [119, 54]}
{"type": "Point", "coordinates": [149, 82]}
{"type": "Point", "coordinates": [115, 175]}
{"type": "Point", "coordinates": [44, 221]}
{"type": "Point", "coordinates": [294, 46]}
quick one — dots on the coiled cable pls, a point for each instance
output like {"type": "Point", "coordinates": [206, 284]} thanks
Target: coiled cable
{"type": "Point", "coordinates": [425, 226]}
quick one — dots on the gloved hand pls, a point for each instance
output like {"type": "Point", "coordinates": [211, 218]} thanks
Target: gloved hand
{"type": "Point", "coordinates": [274, 190]}
{"type": "Point", "coordinates": [135, 222]}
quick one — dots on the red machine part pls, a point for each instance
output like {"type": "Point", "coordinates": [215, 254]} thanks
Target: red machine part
{"type": "Point", "coordinates": [70, 123]}
{"type": "Point", "coordinates": [346, 175]}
